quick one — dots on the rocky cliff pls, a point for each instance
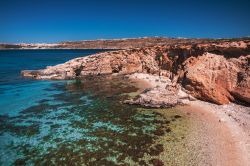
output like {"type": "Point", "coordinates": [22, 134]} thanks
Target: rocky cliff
{"type": "Point", "coordinates": [218, 72]}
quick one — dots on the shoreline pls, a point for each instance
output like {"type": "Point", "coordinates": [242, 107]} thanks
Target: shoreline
{"type": "Point", "coordinates": [221, 139]}
{"type": "Point", "coordinates": [220, 134]}
{"type": "Point", "coordinates": [195, 69]}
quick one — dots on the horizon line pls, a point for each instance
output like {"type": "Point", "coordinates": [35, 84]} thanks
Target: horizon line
{"type": "Point", "coordinates": [125, 38]}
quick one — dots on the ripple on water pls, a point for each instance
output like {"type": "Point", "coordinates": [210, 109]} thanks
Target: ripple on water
{"type": "Point", "coordinates": [84, 123]}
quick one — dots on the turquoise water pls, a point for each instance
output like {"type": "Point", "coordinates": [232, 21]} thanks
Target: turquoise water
{"type": "Point", "coordinates": [17, 93]}
{"type": "Point", "coordinates": [69, 122]}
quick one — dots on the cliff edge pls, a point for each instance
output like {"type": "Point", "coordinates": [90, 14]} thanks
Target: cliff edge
{"type": "Point", "coordinates": [217, 72]}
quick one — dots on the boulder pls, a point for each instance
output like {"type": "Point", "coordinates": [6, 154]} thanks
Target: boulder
{"type": "Point", "coordinates": [214, 78]}
{"type": "Point", "coordinates": [156, 98]}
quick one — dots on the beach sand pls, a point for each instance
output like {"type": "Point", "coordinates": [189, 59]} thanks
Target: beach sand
{"type": "Point", "coordinates": [218, 134]}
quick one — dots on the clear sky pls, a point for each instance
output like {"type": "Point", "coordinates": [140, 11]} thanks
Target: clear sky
{"type": "Point", "coordinates": [63, 20]}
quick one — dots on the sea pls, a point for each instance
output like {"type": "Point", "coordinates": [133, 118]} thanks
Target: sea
{"type": "Point", "coordinates": [72, 122]}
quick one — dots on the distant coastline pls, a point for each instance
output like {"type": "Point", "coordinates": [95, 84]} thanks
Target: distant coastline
{"type": "Point", "coordinates": [27, 49]}
{"type": "Point", "coordinates": [125, 43]}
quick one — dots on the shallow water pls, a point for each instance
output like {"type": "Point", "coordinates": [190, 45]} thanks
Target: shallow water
{"type": "Point", "coordinates": [73, 122]}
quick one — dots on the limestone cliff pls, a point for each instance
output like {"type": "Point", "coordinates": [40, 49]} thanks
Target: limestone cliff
{"type": "Point", "coordinates": [217, 72]}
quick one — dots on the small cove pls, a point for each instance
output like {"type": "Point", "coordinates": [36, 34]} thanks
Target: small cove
{"type": "Point", "coordinates": [84, 122]}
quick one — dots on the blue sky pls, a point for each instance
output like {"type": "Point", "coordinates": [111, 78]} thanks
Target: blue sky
{"type": "Point", "coordinates": [63, 20]}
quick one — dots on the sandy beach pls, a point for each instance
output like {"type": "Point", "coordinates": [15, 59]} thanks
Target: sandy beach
{"type": "Point", "coordinates": [220, 138]}
{"type": "Point", "coordinates": [219, 135]}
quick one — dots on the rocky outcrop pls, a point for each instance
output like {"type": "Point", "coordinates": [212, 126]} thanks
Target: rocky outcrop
{"type": "Point", "coordinates": [160, 92]}
{"type": "Point", "coordinates": [242, 89]}
{"type": "Point", "coordinates": [161, 98]}
{"type": "Point", "coordinates": [214, 78]}
{"type": "Point", "coordinates": [156, 97]}
{"type": "Point", "coordinates": [215, 72]}
{"type": "Point", "coordinates": [121, 62]}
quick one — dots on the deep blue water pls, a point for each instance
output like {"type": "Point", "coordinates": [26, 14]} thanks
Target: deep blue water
{"type": "Point", "coordinates": [69, 122]}
{"type": "Point", "coordinates": [17, 93]}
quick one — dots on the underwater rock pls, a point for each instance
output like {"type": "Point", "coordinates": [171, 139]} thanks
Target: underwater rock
{"type": "Point", "coordinates": [155, 151]}
{"type": "Point", "coordinates": [156, 162]}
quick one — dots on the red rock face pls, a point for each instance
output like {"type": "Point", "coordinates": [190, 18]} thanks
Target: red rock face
{"type": "Point", "coordinates": [215, 72]}
{"type": "Point", "coordinates": [210, 78]}
{"type": "Point", "coordinates": [242, 89]}
{"type": "Point", "coordinates": [214, 78]}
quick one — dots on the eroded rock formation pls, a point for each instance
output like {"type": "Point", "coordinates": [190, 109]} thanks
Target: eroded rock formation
{"type": "Point", "coordinates": [215, 72]}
